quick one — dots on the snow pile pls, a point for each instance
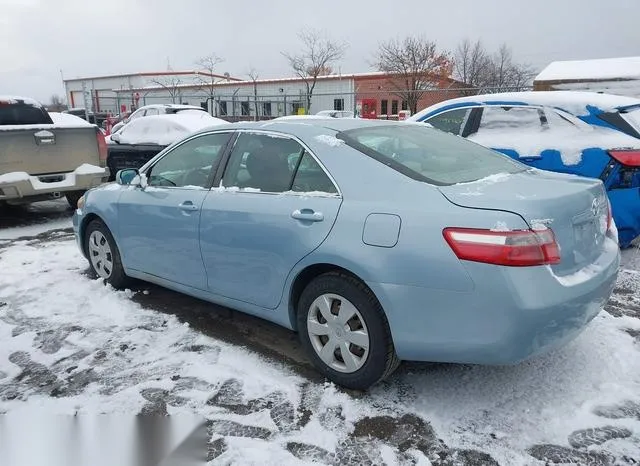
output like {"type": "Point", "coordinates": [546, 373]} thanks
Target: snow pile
{"type": "Point", "coordinates": [329, 140]}
{"type": "Point", "coordinates": [601, 69]}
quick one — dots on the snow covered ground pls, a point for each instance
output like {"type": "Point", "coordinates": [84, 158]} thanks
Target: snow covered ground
{"type": "Point", "coordinates": [68, 344]}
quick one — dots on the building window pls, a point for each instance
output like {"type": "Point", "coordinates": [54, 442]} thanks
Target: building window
{"type": "Point", "coordinates": [244, 108]}
{"type": "Point", "coordinates": [394, 107]}
{"type": "Point", "coordinates": [266, 108]}
{"type": "Point", "coordinates": [223, 107]}
{"type": "Point", "coordinates": [338, 104]}
{"type": "Point", "coordinates": [384, 107]}
{"type": "Point", "coordinates": [405, 105]}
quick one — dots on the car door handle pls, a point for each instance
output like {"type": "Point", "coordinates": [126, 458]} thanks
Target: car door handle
{"type": "Point", "coordinates": [307, 215]}
{"type": "Point", "coordinates": [188, 206]}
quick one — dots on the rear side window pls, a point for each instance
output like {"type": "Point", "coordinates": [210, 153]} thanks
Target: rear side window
{"type": "Point", "coordinates": [23, 114]}
{"type": "Point", "coordinates": [627, 122]}
{"type": "Point", "coordinates": [429, 155]}
{"type": "Point", "coordinates": [511, 118]}
{"type": "Point", "coordinates": [452, 121]}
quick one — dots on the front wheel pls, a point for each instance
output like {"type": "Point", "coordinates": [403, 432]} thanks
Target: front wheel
{"type": "Point", "coordinates": [103, 254]}
{"type": "Point", "coordinates": [345, 331]}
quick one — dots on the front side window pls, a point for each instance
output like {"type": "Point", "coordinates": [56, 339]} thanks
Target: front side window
{"type": "Point", "coordinates": [428, 155]}
{"type": "Point", "coordinates": [190, 164]}
{"type": "Point", "coordinates": [452, 121]}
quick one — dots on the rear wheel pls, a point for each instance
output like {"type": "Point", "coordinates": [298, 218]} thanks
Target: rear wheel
{"type": "Point", "coordinates": [103, 254]}
{"type": "Point", "coordinates": [73, 197]}
{"type": "Point", "coordinates": [345, 332]}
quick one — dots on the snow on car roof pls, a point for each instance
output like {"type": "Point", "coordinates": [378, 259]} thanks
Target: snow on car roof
{"type": "Point", "coordinates": [575, 102]}
{"type": "Point", "coordinates": [600, 69]}
{"type": "Point", "coordinates": [16, 98]}
{"type": "Point", "coordinates": [68, 120]}
{"type": "Point", "coordinates": [166, 129]}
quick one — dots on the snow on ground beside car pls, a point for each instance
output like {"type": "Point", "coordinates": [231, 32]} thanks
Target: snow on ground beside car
{"type": "Point", "coordinates": [100, 351]}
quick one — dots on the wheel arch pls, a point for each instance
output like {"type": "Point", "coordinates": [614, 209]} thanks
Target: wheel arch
{"type": "Point", "coordinates": [83, 226]}
{"type": "Point", "coordinates": [305, 276]}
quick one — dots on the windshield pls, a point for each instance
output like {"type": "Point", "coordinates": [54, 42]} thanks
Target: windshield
{"type": "Point", "coordinates": [429, 155]}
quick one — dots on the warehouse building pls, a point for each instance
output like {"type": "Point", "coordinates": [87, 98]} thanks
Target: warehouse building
{"type": "Point", "coordinates": [233, 98]}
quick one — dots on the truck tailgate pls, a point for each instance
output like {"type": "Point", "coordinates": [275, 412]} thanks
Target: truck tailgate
{"type": "Point", "coordinates": [44, 149]}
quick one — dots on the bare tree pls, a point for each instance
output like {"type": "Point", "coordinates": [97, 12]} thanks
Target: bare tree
{"type": "Point", "coordinates": [253, 75]}
{"type": "Point", "coordinates": [172, 84]}
{"type": "Point", "coordinates": [55, 103]}
{"type": "Point", "coordinates": [207, 80]}
{"type": "Point", "coordinates": [471, 64]}
{"type": "Point", "coordinates": [415, 66]}
{"type": "Point", "coordinates": [481, 71]}
{"type": "Point", "coordinates": [505, 74]}
{"type": "Point", "coordinates": [316, 58]}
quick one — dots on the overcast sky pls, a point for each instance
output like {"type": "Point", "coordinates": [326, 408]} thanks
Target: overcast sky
{"type": "Point", "coordinates": [86, 37]}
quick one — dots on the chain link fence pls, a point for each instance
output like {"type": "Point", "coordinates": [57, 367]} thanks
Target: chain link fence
{"type": "Point", "coordinates": [381, 104]}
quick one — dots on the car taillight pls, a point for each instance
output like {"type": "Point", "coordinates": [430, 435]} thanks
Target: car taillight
{"type": "Point", "coordinates": [102, 147]}
{"type": "Point", "coordinates": [630, 158]}
{"type": "Point", "coordinates": [519, 248]}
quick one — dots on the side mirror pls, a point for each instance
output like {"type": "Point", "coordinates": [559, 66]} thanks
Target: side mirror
{"type": "Point", "coordinates": [126, 176]}
{"type": "Point", "coordinates": [115, 137]}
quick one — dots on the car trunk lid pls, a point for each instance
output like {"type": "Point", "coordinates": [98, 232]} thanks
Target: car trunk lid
{"type": "Point", "coordinates": [575, 209]}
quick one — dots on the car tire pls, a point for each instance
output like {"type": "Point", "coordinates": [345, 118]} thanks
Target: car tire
{"type": "Point", "coordinates": [73, 197]}
{"type": "Point", "coordinates": [337, 291]}
{"type": "Point", "coordinates": [103, 255]}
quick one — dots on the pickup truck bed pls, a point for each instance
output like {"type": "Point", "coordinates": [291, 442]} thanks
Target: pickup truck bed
{"type": "Point", "coordinates": [42, 159]}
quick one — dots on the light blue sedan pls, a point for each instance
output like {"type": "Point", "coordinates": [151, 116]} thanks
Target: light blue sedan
{"type": "Point", "coordinates": [376, 241]}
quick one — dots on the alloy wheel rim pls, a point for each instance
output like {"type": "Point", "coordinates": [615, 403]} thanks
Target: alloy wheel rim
{"type": "Point", "coordinates": [100, 254]}
{"type": "Point", "coordinates": [338, 333]}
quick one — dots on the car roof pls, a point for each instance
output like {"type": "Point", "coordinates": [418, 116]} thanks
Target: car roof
{"type": "Point", "coordinates": [313, 125]}
{"type": "Point", "coordinates": [575, 102]}
{"type": "Point", "coordinates": [169, 106]}
{"type": "Point", "coordinates": [15, 99]}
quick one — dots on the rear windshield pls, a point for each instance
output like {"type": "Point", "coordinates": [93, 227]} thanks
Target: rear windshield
{"type": "Point", "coordinates": [22, 114]}
{"type": "Point", "coordinates": [633, 118]}
{"type": "Point", "coordinates": [429, 155]}
{"type": "Point", "coordinates": [627, 122]}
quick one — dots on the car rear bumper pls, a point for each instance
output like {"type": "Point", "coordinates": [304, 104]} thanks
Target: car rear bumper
{"type": "Point", "coordinates": [42, 185]}
{"type": "Point", "coordinates": [511, 315]}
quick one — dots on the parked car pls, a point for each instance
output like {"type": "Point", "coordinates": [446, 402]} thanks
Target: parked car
{"type": "Point", "coordinates": [47, 156]}
{"type": "Point", "coordinates": [581, 133]}
{"type": "Point", "coordinates": [336, 113]}
{"type": "Point", "coordinates": [377, 241]}
{"type": "Point", "coordinates": [139, 141]}
{"type": "Point", "coordinates": [153, 110]}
